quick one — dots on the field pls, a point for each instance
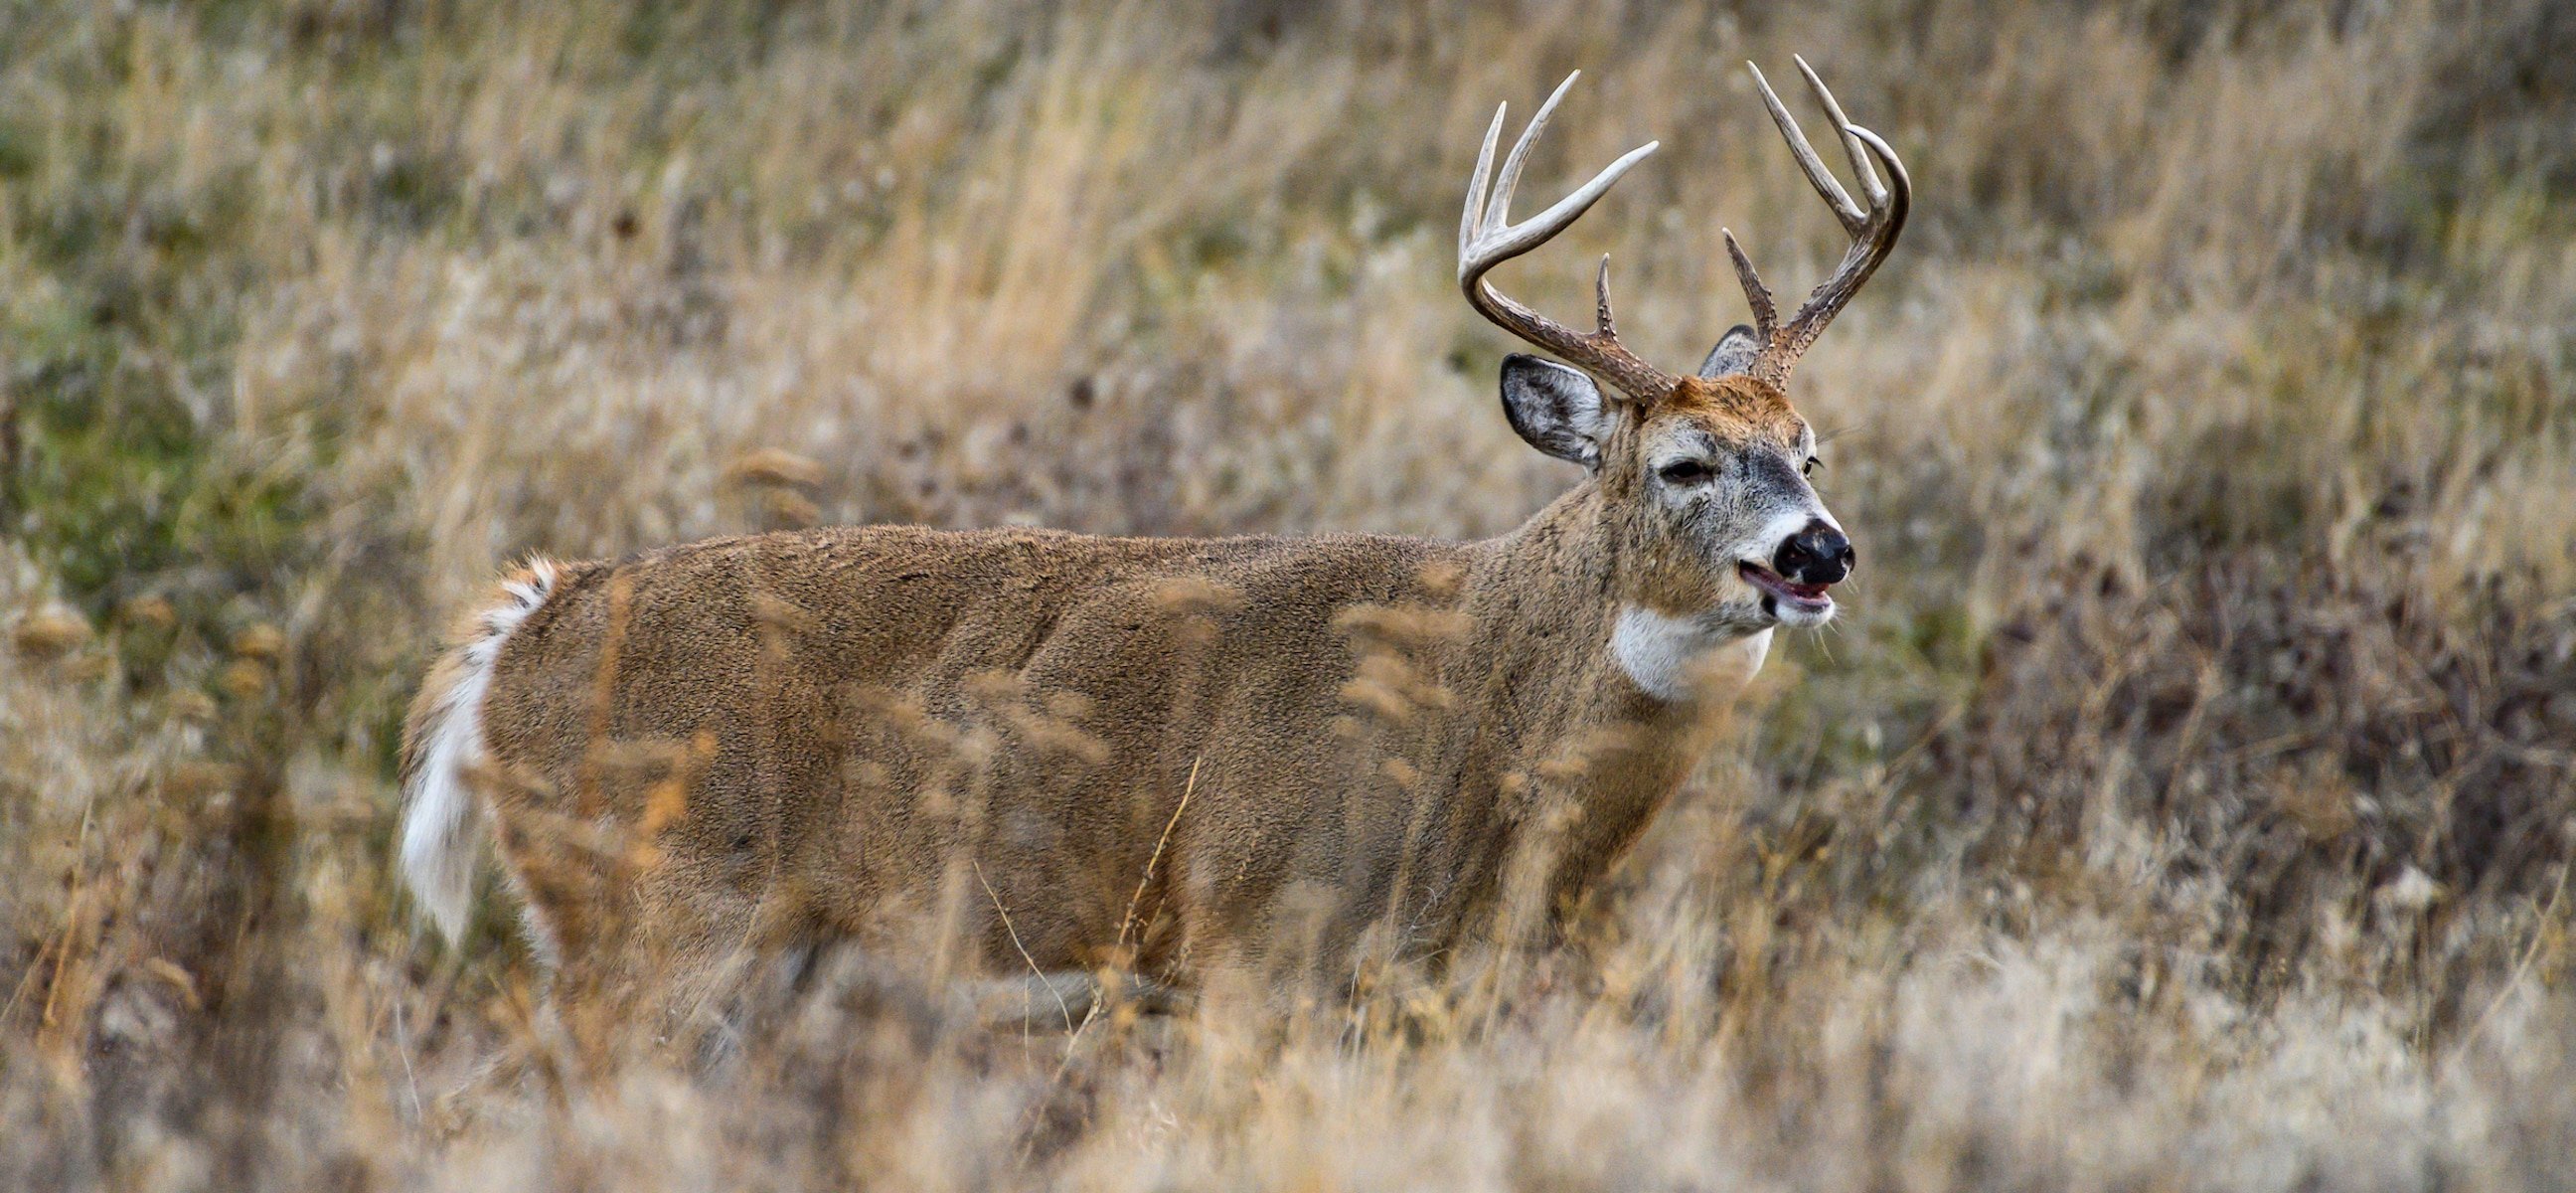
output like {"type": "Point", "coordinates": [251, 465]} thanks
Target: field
{"type": "Point", "coordinates": [2186, 799]}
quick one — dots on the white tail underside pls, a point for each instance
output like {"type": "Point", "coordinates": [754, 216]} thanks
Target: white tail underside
{"type": "Point", "coordinates": [439, 850]}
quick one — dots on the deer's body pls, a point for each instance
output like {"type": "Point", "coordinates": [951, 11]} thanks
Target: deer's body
{"type": "Point", "coordinates": [1099, 675]}
{"type": "Point", "coordinates": [1059, 752]}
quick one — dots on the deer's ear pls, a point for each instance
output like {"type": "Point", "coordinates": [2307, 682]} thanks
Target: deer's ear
{"type": "Point", "coordinates": [1734, 353]}
{"type": "Point", "coordinates": [1556, 409]}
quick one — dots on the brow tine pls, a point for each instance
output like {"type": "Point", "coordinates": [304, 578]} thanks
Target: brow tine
{"type": "Point", "coordinates": [1818, 176]}
{"type": "Point", "coordinates": [1756, 295]}
{"type": "Point", "coordinates": [1500, 213]}
{"type": "Point", "coordinates": [1869, 182]}
{"type": "Point", "coordinates": [1602, 323]}
{"type": "Point", "coordinates": [1471, 222]}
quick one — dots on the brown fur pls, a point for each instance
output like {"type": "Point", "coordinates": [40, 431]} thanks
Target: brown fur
{"type": "Point", "coordinates": [900, 736]}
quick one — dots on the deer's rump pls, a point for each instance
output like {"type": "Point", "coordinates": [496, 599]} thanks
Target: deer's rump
{"type": "Point", "coordinates": [897, 734]}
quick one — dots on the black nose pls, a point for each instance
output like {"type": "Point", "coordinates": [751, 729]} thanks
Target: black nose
{"type": "Point", "coordinates": [1817, 555]}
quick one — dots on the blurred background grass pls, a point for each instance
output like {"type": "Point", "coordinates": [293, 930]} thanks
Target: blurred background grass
{"type": "Point", "coordinates": [2184, 801]}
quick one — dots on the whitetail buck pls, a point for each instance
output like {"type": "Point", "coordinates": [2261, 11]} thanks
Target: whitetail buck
{"type": "Point", "coordinates": [1025, 751]}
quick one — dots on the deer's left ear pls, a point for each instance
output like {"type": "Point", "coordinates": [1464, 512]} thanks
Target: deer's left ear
{"type": "Point", "coordinates": [1734, 353]}
{"type": "Point", "coordinates": [1556, 409]}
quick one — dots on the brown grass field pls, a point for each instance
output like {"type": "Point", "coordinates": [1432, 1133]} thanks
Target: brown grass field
{"type": "Point", "coordinates": [2186, 799]}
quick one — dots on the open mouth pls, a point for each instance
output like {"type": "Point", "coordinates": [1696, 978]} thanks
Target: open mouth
{"type": "Point", "coordinates": [1809, 598]}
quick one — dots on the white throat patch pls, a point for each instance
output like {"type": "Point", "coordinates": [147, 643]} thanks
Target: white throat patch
{"type": "Point", "coordinates": [1671, 657]}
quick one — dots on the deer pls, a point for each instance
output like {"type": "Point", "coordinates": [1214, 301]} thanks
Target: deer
{"type": "Point", "coordinates": [1021, 754]}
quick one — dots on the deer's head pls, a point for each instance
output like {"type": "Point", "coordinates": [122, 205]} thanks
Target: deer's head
{"type": "Point", "coordinates": [1704, 478]}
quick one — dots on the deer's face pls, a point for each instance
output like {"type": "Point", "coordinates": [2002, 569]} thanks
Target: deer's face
{"type": "Point", "coordinates": [1721, 477]}
{"type": "Point", "coordinates": [1711, 511]}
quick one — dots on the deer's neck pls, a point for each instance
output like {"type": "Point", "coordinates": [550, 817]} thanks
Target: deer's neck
{"type": "Point", "coordinates": [1569, 730]}
{"type": "Point", "coordinates": [1608, 697]}
{"type": "Point", "coordinates": [1555, 597]}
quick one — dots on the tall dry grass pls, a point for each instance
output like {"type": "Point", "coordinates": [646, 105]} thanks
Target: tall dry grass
{"type": "Point", "coordinates": [2185, 800]}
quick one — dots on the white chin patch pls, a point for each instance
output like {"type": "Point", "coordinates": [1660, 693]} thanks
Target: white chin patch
{"type": "Point", "coordinates": [1672, 658]}
{"type": "Point", "coordinates": [1799, 617]}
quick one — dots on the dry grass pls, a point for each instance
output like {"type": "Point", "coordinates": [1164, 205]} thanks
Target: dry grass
{"type": "Point", "coordinates": [2187, 801]}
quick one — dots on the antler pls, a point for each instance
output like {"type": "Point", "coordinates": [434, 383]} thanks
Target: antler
{"type": "Point", "coordinates": [1485, 241]}
{"type": "Point", "coordinates": [1873, 231]}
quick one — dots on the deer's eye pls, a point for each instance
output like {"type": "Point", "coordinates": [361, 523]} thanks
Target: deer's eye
{"type": "Point", "coordinates": [1811, 466]}
{"type": "Point", "coordinates": [1684, 472]}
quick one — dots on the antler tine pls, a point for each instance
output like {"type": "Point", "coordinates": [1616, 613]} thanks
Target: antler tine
{"type": "Point", "coordinates": [1756, 295]}
{"type": "Point", "coordinates": [1900, 190]}
{"type": "Point", "coordinates": [1869, 183]}
{"type": "Point", "coordinates": [1850, 213]}
{"type": "Point", "coordinates": [1472, 222]}
{"type": "Point", "coordinates": [1873, 229]}
{"type": "Point", "coordinates": [1510, 181]}
{"type": "Point", "coordinates": [1486, 240]}
{"type": "Point", "coordinates": [1601, 301]}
